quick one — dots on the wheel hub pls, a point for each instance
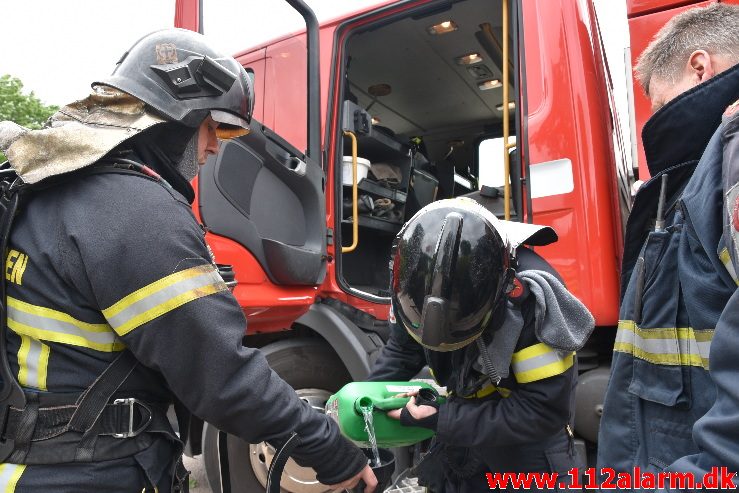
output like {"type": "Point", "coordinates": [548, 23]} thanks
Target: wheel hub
{"type": "Point", "coordinates": [295, 479]}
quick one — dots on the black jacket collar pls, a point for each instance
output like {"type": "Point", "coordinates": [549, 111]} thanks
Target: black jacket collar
{"type": "Point", "coordinates": [680, 130]}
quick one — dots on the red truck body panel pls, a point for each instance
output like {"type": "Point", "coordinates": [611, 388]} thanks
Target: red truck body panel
{"type": "Point", "coordinates": [565, 92]}
{"type": "Point", "coordinates": [567, 119]}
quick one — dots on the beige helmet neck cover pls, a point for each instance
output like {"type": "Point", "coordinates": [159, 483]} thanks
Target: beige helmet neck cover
{"type": "Point", "coordinates": [77, 135]}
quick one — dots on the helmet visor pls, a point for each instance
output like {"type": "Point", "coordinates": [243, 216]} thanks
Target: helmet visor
{"type": "Point", "coordinates": [230, 126]}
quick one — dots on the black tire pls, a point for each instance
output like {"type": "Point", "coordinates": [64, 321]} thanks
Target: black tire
{"type": "Point", "coordinates": [305, 364]}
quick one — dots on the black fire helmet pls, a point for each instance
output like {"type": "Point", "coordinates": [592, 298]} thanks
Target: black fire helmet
{"type": "Point", "coordinates": [451, 270]}
{"type": "Point", "coordinates": [181, 77]}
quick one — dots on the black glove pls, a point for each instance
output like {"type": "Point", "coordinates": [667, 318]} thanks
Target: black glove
{"type": "Point", "coordinates": [429, 422]}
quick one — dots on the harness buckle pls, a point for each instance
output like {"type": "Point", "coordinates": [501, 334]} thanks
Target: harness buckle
{"type": "Point", "coordinates": [131, 402]}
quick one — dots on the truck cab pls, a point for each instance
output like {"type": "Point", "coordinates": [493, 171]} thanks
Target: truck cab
{"type": "Point", "coordinates": [363, 120]}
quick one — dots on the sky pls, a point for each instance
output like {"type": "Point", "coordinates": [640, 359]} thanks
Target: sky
{"type": "Point", "coordinates": [57, 54]}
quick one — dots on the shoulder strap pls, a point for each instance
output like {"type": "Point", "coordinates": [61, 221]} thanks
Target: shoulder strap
{"type": "Point", "coordinates": [11, 393]}
{"type": "Point", "coordinates": [95, 397]}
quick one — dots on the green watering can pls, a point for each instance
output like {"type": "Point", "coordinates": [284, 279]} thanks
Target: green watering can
{"type": "Point", "coordinates": [348, 404]}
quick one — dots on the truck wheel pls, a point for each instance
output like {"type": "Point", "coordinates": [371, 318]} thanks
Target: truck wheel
{"type": "Point", "coordinates": [315, 371]}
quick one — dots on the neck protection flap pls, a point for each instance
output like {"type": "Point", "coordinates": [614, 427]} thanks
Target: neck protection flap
{"type": "Point", "coordinates": [76, 136]}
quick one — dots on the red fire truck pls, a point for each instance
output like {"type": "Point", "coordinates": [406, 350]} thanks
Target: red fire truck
{"type": "Point", "coordinates": [507, 100]}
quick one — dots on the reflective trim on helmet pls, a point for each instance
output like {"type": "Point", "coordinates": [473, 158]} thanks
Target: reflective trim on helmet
{"type": "Point", "coordinates": [678, 346]}
{"type": "Point", "coordinates": [45, 324]}
{"type": "Point", "coordinates": [538, 362]}
{"type": "Point", "coordinates": [163, 296]}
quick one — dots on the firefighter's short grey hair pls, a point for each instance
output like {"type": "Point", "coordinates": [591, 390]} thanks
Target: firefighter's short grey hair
{"type": "Point", "coordinates": [714, 28]}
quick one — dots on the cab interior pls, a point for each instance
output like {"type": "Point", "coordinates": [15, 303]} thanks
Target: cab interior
{"type": "Point", "coordinates": [431, 85]}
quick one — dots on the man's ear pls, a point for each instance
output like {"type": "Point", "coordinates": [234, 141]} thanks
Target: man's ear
{"type": "Point", "coordinates": [701, 66]}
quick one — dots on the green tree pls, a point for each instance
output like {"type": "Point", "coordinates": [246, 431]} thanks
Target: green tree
{"type": "Point", "coordinates": [24, 109]}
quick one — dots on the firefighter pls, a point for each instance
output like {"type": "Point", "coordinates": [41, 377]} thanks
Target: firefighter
{"type": "Point", "coordinates": [717, 434]}
{"type": "Point", "coordinates": [676, 274]}
{"type": "Point", "coordinates": [115, 308]}
{"type": "Point", "coordinates": [498, 329]}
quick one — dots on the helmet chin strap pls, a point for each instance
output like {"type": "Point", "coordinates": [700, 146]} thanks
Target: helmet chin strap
{"type": "Point", "coordinates": [188, 166]}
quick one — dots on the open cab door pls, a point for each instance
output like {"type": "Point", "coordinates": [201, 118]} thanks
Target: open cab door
{"type": "Point", "coordinates": [262, 202]}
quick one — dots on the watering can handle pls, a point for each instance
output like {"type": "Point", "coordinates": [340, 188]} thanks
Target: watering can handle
{"type": "Point", "coordinates": [425, 396]}
{"type": "Point", "coordinates": [278, 463]}
{"type": "Point", "coordinates": [391, 403]}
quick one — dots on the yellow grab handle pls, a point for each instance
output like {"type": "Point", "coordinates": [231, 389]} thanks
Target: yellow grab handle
{"type": "Point", "coordinates": [506, 116]}
{"type": "Point", "coordinates": [355, 209]}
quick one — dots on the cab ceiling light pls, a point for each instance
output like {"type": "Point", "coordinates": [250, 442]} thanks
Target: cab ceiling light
{"type": "Point", "coordinates": [469, 59]}
{"type": "Point", "coordinates": [511, 106]}
{"type": "Point", "coordinates": [489, 84]}
{"type": "Point", "coordinates": [375, 120]}
{"type": "Point", "coordinates": [442, 27]}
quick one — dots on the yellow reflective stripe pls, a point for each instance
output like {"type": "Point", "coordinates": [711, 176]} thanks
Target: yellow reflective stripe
{"type": "Point", "coordinates": [725, 258]}
{"type": "Point", "coordinates": [10, 474]}
{"type": "Point", "coordinates": [33, 362]}
{"type": "Point", "coordinates": [43, 366]}
{"type": "Point", "coordinates": [45, 324]}
{"type": "Point", "coordinates": [22, 306]}
{"type": "Point", "coordinates": [531, 352]}
{"type": "Point", "coordinates": [485, 391]}
{"type": "Point", "coordinates": [538, 362]}
{"type": "Point", "coordinates": [152, 288]}
{"type": "Point", "coordinates": [680, 346]}
{"type": "Point", "coordinates": [489, 390]}
{"type": "Point", "coordinates": [163, 296]}
{"type": "Point", "coordinates": [23, 352]}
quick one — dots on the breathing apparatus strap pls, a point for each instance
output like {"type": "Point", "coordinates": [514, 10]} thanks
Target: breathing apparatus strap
{"type": "Point", "coordinates": [32, 423]}
{"type": "Point", "coordinates": [11, 393]}
{"type": "Point", "coordinates": [517, 294]}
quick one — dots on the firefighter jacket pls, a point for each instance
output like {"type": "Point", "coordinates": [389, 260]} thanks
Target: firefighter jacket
{"type": "Point", "coordinates": [675, 287]}
{"type": "Point", "coordinates": [519, 425]}
{"type": "Point", "coordinates": [109, 262]}
{"type": "Point", "coordinates": [716, 434]}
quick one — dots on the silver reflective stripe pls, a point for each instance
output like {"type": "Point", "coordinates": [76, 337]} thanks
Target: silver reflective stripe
{"type": "Point", "coordinates": [682, 346]}
{"type": "Point", "coordinates": [9, 476]}
{"type": "Point", "coordinates": [730, 202]}
{"type": "Point", "coordinates": [536, 362]}
{"type": "Point", "coordinates": [53, 325]}
{"type": "Point", "coordinates": [163, 296]}
{"type": "Point", "coordinates": [32, 363]}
